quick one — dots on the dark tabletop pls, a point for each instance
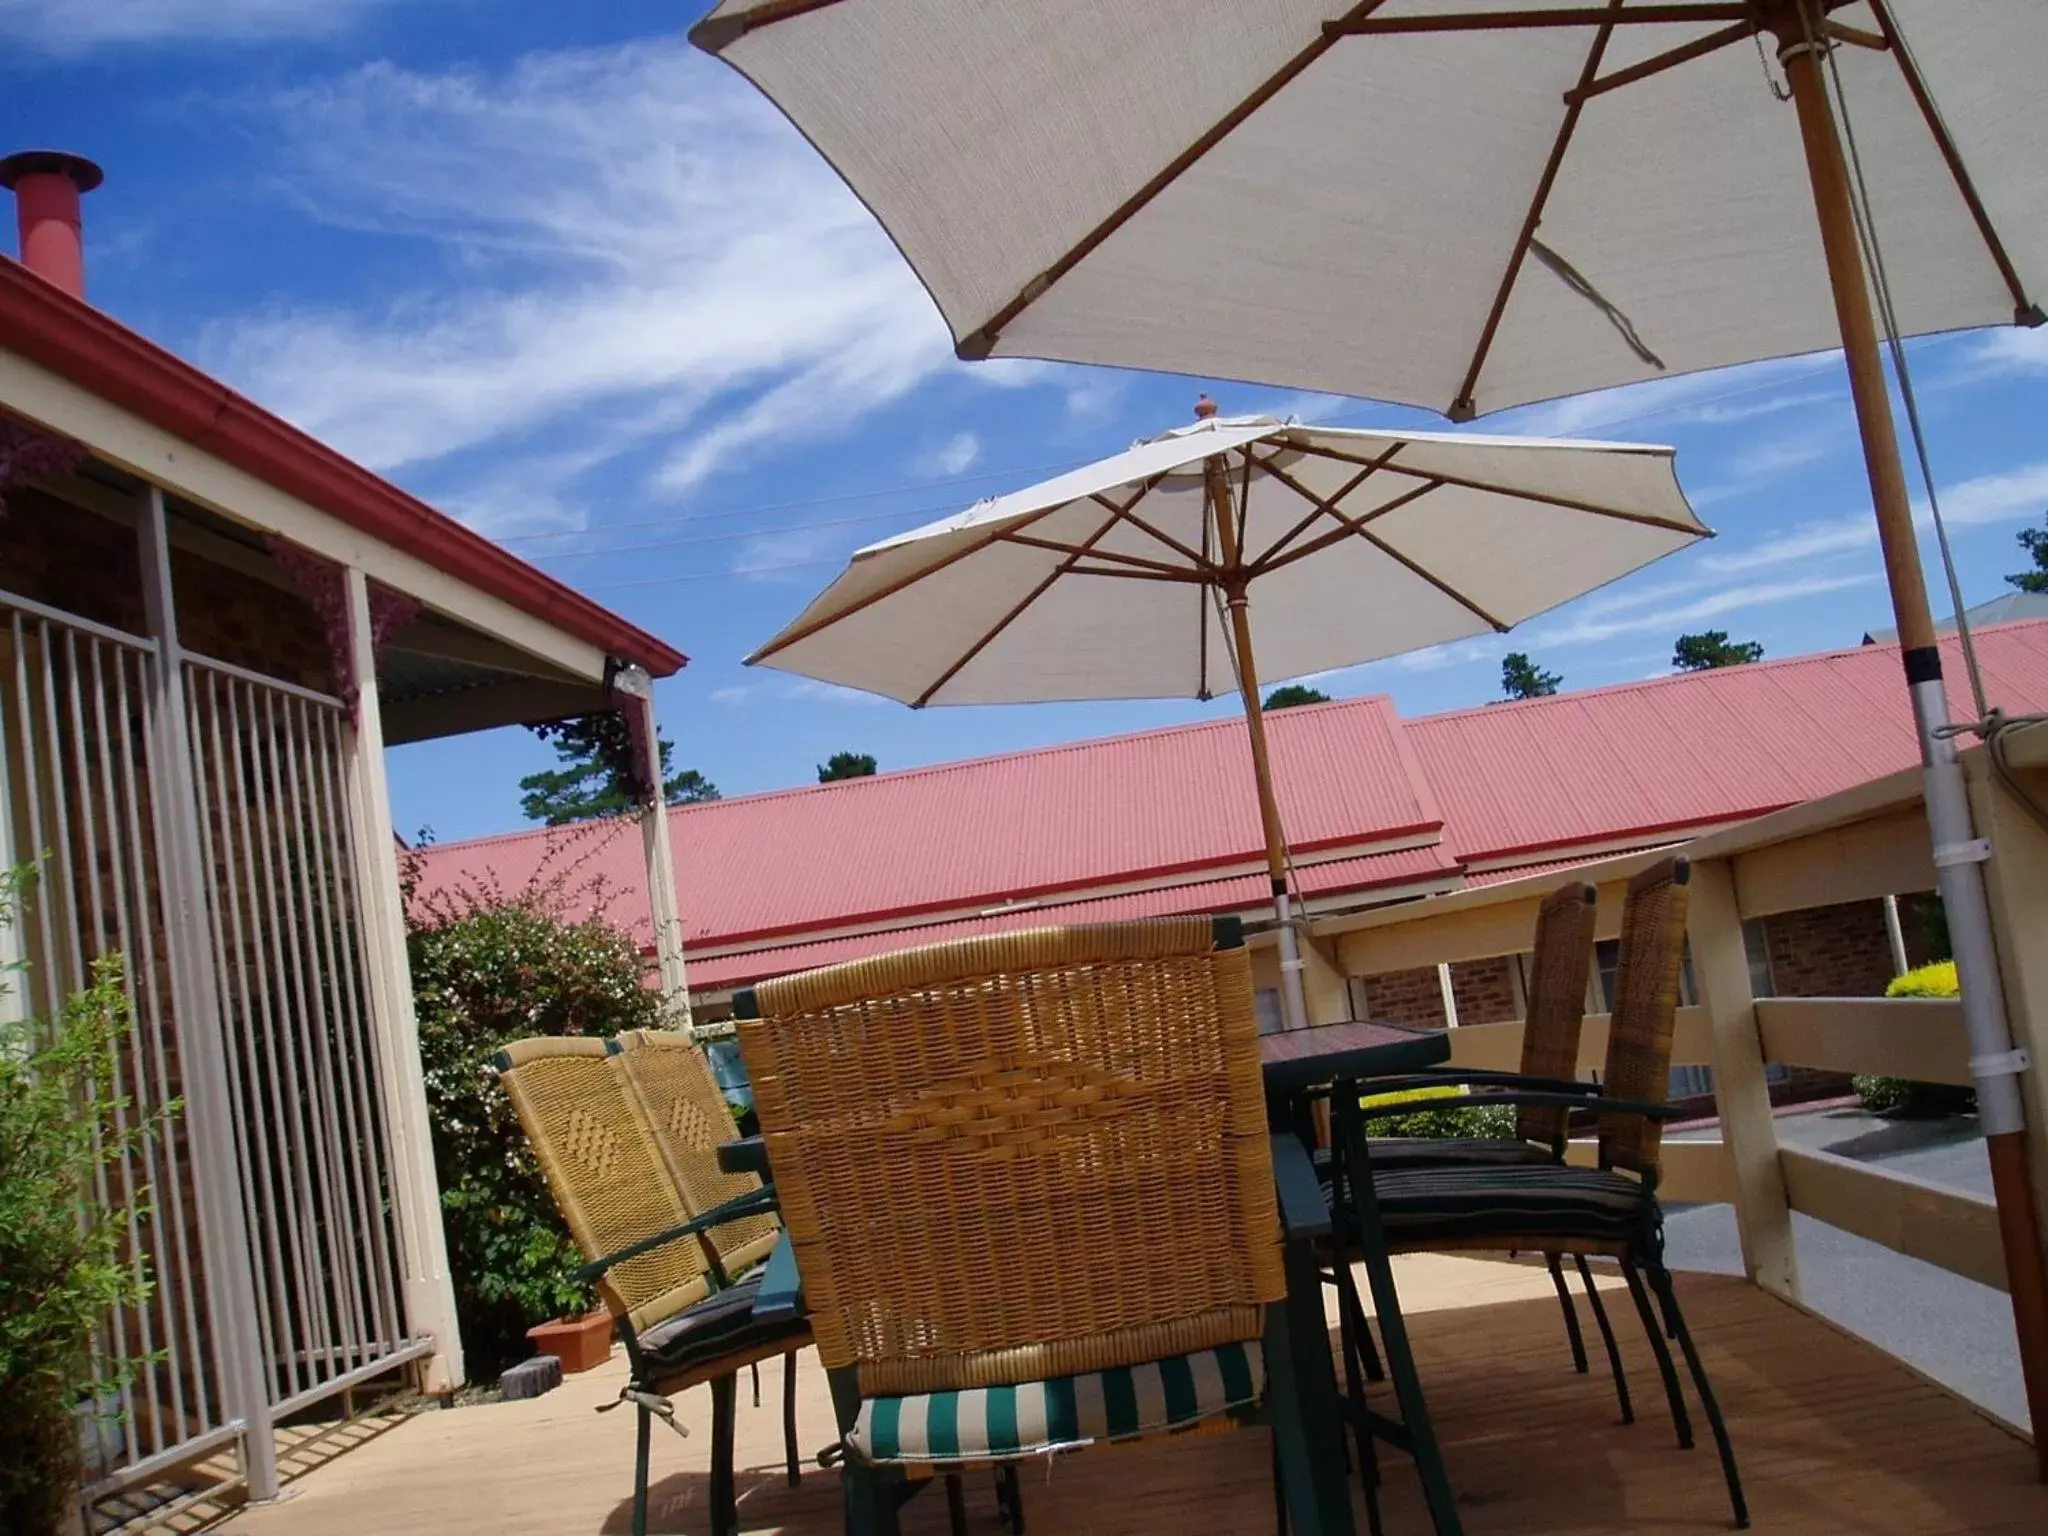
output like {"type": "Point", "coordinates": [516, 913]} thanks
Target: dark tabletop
{"type": "Point", "coordinates": [1295, 1059]}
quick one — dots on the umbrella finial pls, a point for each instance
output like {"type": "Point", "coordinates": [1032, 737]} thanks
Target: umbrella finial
{"type": "Point", "coordinates": [1204, 408]}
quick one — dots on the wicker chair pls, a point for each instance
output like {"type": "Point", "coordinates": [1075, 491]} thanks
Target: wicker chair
{"type": "Point", "coordinates": [1033, 1201]}
{"type": "Point", "coordinates": [654, 1259]}
{"type": "Point", "coordinates": [669, 1075]}
{"type": "Point", "coordinates": [1610, 1210]}
{"type": "Point", "coordinates": [1561, 961]}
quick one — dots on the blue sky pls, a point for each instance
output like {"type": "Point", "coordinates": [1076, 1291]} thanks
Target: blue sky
{"type": "Point", "coordinates": [551, 269]}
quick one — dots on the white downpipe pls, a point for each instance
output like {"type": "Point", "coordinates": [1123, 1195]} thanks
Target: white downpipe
{"type": "Point", "coordinates": [1959, 855]}
{"type": "Point", "coordinates": [1293, 997]}
{"type": "Point", "coordinates": [1443, 981]}
{"type": "Point", "coordinates": [1896, 935]}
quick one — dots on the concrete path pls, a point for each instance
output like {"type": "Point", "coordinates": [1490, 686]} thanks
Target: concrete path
{"type": "Point", "coordinates": [1955, 1330]}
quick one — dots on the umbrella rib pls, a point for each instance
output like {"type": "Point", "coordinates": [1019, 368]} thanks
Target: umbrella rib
{"type": "Point", "coordinates": [1011, 617]}
{"type": "Point", "coordinates": [1356, 526]}
{"type": "Point", "coordinates": [1465, 482]}
{"type": "Point", "coordinates": [1125, 514]}
{"type": "Point", "coordinates": [1346, 527]}
{"type": "Point", "coordinates": [1463, 406]}
{"type": "Point", "coordinates": [2025, 311]}
{"type": "Point", "coordinates": [1348, 487]}
{"type": "Point", "coordinates": [980, 342]}
{"type": "Point", "coordinates": [1658, 63]}
{"type": "Point", "coordinates": [1138, 562]}
{"type": "Point", "coordinates": [1556, 16]}
{"type": "Point", "coordinates": [791, 636]}
{"type": "Point", "coordinates": [715, 33]}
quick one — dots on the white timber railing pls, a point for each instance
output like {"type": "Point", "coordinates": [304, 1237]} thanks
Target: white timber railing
{"type": "Point", "coordinates": [1864, 843]}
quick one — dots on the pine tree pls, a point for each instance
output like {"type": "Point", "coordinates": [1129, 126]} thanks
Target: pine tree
{"type": "Point", "coordinates": [1521, 678]}
{"type": "Point", "coordinates": [1711, 648]}
{"type": "Point", "coordinates": [592, 780]}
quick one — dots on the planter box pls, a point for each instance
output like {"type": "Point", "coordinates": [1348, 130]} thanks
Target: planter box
{"type": "Point", "coordinates": [580, 1343]}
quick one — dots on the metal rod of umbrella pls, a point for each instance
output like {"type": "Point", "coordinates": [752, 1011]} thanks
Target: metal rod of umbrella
{"type": "Point", "coordinates": [1216, 476]}
{"type": "Point", "coordinates": [1958, 852]}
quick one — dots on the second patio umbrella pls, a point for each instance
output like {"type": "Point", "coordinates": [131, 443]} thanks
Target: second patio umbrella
{"type": "Point", "coordinates": [1138, 576]}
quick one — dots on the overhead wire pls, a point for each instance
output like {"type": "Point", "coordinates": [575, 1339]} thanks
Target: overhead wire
{"type": "Point", "coordinates": [1991, 724]}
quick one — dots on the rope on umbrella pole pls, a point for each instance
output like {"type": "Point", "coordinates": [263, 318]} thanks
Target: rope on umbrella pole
{"type": "Point", "coordinates": [1237, 676]}
{"type": "Point", "coordinates": [1991, 724]}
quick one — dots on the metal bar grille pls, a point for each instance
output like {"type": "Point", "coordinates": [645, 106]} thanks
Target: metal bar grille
{"type": "Point", "coordinates": [311, 1134]}
{"type": "Point", "coordinates": [75, 724]}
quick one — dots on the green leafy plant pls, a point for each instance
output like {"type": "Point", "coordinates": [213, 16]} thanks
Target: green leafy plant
{"type": "Point", "coordinates": [1899, 1097]}
{"type": "Point", "coordinates": [1387, 1117]}
{"type": "Point", "coordinates": [489, 968]}
{"type": "Point", "coordinates": [64, 1259]}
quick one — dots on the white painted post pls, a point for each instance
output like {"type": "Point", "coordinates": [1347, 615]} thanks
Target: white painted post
{"type": "Point", "coordinates": [1720, 964]}
{"type": "Point", "coordinates": [1326, 990]}
{"type": "Point", "coordinates": [1443, 983]}
{"type": "Point", "coordinates": [195, 1004]}
{"type": "Point", "coordinates": [1896, 935]}
{"type": "Point", "coordinates": [415, 1188]}
{"type": "Point", "coordinates": [638, 691]}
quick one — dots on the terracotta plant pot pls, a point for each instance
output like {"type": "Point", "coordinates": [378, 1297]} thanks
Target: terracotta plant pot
{"type": "Point", "coordinates": [580, 1343]}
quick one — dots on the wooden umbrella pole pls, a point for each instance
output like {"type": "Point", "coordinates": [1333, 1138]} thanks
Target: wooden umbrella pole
{"type": "Point", "coordinates": [1995, 1064]}
{"type": "Point", "coordinates": [1216, 476]}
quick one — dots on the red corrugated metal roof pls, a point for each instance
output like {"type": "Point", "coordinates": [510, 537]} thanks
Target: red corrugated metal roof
{"type": "Point", "coordinates": [1678, 751]}
{"type": "Point", "coordinates": [1538, 778]}
{"type": "Point", "coordinates": [1239, 893]}
{"type": "Point", "coordinates": [1061, 820]}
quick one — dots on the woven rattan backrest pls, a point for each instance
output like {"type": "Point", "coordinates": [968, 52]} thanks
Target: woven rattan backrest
{"type": "Point", "coordinates": [1557, 1002]}
{"type": "Point", "coordinates": [688, 1115]}
{"type": "Point", "coordinates": [1022, 1156]}
{"type": "Point", "coordinates": [606, 1174]}
{"type": "Point", "coordinates": [1646, 980]}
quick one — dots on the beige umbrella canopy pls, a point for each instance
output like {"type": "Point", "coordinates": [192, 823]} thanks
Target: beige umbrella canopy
{"type": "Point", "coordinates": [1139, 575]}
{"type": "Point", "coordinates": [1469, 205]}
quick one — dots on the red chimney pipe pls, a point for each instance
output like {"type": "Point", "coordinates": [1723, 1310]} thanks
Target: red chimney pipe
{"type": "Point", "coordinates": [46, 184]}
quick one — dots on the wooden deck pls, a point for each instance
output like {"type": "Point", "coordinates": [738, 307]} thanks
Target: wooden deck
{"type": "Point", "coordinates": [1833, 1435]}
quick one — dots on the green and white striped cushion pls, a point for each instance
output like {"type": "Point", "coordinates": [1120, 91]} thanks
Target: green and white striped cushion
{"type": "Point", "coordinates": [997, 1423]}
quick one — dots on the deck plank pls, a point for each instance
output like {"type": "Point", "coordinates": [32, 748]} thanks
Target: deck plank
{"type": "Point", "coordinates": [1833, 1435]}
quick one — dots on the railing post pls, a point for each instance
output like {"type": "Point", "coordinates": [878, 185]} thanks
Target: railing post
{"type": "Point", "coordinates": [1720, 968]}
{"type": "Point", "coordinates": [2016, 885]}
{"type": "Point", "coordinates": [415, 1188]}
{"type": "Point", "coordinates": [209, 1109]}
{"type": "Point", "coordinates": [637, 693]}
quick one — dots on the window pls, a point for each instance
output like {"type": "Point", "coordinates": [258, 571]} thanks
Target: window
{"type": "Point", "coordinates": [1607, 955]}
{"type": "Point", "coordinates": [1756, 944]}
{"type": "Point", "coordinates": [1266, 1004]}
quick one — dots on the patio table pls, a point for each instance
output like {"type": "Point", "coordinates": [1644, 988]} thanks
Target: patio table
{"type": "Point", "coordinates": [1295, 1060]}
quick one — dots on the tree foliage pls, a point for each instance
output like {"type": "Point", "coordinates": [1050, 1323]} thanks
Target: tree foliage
{"type": "Point", "coordinates": [1291, 694]}
{"type": "Point", "coordinates": [1712, 648]}
{"type": "Point", "coordinates": [2035, 542]}
{"type": "Point", "coordinates": [489, 968]}
{"type": "Point", "coordinates": [65, 1258]}
{"type": "Point", "coordinates": [594, 780]}
{"type": "Point", "coordinates": [1521, 678]}
{"type": "Point", "coordinates": [846, 765]}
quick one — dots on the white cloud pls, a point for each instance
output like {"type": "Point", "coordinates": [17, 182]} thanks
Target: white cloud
{"type": "Point", "coordinates": [75, 26]}
{"type": "Point", "coordinates": [737, 694]}
{"type": "Point", "coordinates": [1695, 397]}
{"type": "Point", "coordinates": [2014, 350]}
{"type": "Point", "coordinates": [1588, 628]}
{"type": "Point", "coordinates": [1810, 541]}
{"type": "Point", "coordinates": [811, 690]}
{"type": "Point", "coordinates": [619, 246]}
{"type": "Point", "coordinates": [954, 456]}
{"type": "Point", "coordinates": [1992, 498]}
{"type": "Point", "coordinates": [787, 554]}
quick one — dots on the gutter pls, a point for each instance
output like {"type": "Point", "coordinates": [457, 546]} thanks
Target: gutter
{"type": "Point", "coordinates": [69, 337]}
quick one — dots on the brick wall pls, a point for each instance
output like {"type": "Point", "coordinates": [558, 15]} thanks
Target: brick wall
{"type": "Point", "coordinates": [86, 564]}
{"type": "Point", "coordinates": [1406, 997]}
{"type": "Point", "coordinates": [1839, 951]}
{"type": "Point", "coordinates": [1485, 991]}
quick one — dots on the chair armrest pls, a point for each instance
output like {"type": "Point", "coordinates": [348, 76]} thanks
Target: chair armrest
{"type": "Point", "coordinates": [749, 1154]}
{"type": "Point", "coordinates": [1304, 1212]}
{"type": "Point", "coordinates": [1449, 1077]}
{"type": "Point", "coordinates": [753, 1203]}
{"type": "Point", "coordinates": [1597, 1102]}
{"type": "Point", "coordinates": [782, 1289]}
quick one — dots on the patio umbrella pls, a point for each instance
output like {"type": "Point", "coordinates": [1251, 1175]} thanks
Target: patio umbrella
{"type": "Point", "coordinates": [1137, 576]}
{"type": "Point", "coordinates": [1469, 205]}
